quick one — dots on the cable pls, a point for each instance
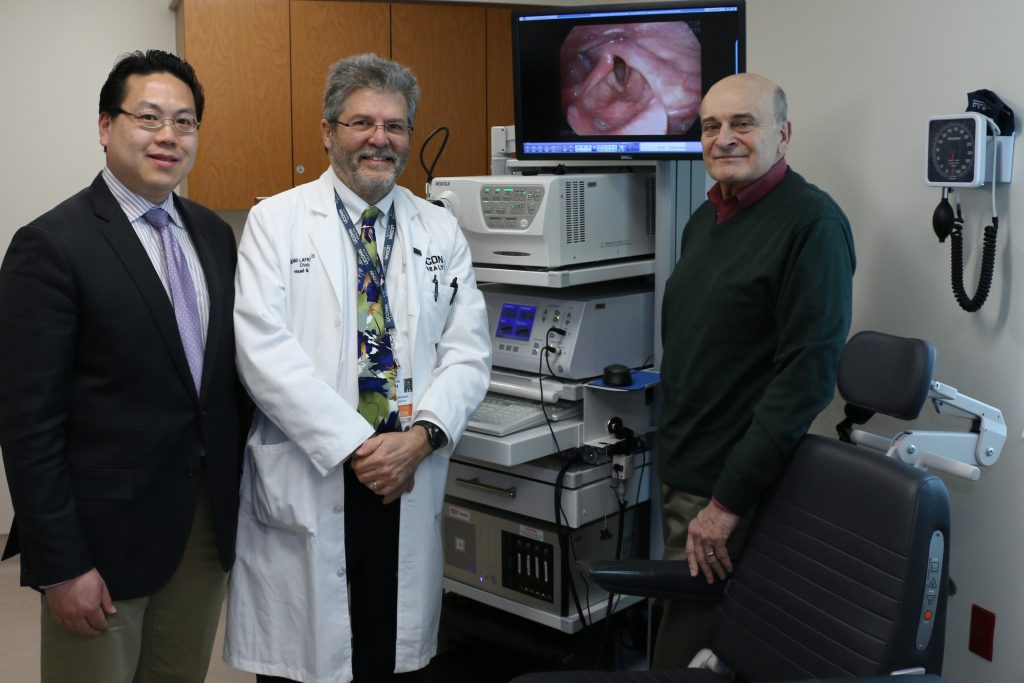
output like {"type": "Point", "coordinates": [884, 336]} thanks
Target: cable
{"type": "Point", "coordinates": [540, 382]}
{"type": "Point", "coordinates": [566, 536]}
{"type": "Point", "coordinates": [988, 251]}
{"type": "Point", "coordinates": [634, 640]}
{"type": "Point", "coordinates": [541, 360]}
{"type": "Point", "coordinates": [988, 265]}
{"type": "Point", "coordinates": [567, 545]}
{"type": "Point", "coordinates": [423, 148]}
{"type": "Point", "coordinates": [614, 598]}
{"type": "Point", "coordinates": [618, 550]}
{"type": "Point", "coordinates": [995, 155]}
{"type": "Point", "coordinates": [639, 490]}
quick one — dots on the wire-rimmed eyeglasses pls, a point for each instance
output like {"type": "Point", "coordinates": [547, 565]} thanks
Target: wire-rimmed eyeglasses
{"type": "Point", "coordinates": [182, 123]}
{"type": "Point", "coordinates": [395, 129]}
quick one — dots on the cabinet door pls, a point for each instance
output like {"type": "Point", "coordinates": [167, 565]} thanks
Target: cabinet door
{"type": "Point", "coordinates": [445, 46]}
{"type": "Point", "coordinates": [500, 105]}
{"type": "Point", "coordinates": [239, 49]}
{"type": "Point", "coordinates": [322, 32]}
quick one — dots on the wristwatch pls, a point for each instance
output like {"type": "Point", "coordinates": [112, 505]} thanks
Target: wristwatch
{"type": "Point", "coordinates": [435, 435]}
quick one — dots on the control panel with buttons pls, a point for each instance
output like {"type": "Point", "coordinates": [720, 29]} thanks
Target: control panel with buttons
{"type": "Point", "coordinates": [932, 589]}
{"type": "Point", "coordinates": [552, 221]}
{"type": "Point", "coordinates": [510, 207]}
{"type": "Point", "coordinates": [570, 334]}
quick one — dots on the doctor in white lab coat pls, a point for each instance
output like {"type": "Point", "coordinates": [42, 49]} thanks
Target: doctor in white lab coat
{"type": "Point", "coordinates": [292, 588]}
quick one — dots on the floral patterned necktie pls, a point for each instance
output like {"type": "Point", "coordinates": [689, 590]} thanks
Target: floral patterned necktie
{"type": "Point", "coordinates": [378, 403]}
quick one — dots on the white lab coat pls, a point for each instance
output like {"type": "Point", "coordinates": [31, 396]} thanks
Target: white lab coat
{"type": "Point", "coordinates": [295, 329]}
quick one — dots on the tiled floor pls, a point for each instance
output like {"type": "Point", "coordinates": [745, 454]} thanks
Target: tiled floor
{"type": "Point", "coordinates": [463, 662]}
{"type": "Point", "coordinates": [19, 635]}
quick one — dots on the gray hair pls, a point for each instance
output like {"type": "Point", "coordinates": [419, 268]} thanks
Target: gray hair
{"type": "Point", "coordinates": [368, 71]}
{"type": "Point", "coordinates": [779, 106]}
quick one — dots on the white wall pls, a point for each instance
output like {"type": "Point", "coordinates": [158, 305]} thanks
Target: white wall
{"type": "Point", "coordinates": [862, 78]}
{"type": "Point", "coordinates": [861, 75]}
{"type": "Point", "coordinates": [54, 57]}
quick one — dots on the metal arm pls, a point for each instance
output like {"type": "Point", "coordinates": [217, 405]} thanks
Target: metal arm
{"type": "Point", "coordinates": [953, 452]}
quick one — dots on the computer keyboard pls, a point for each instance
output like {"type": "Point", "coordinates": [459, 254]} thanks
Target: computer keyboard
{"type": "Point", "coordinates": [501, 415]}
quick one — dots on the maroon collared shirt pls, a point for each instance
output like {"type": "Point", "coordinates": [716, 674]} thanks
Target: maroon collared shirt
{"type": "Point", "coordinates": [729, 207]}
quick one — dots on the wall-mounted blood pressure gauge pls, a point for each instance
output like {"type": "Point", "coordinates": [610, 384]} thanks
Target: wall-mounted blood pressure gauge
{"type": "Point", "coordinates": [956, 150]}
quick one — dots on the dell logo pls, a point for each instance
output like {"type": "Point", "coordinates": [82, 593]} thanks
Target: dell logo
{"type": "Point", "coordinates": [625, 156]}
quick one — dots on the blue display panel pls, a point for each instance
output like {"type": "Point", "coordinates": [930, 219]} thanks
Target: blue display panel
{"type": "Point", "coordinates": [516, 322]}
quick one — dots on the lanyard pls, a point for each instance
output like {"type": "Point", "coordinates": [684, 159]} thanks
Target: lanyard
{"type": "Point", "coordinates": [364, 256]}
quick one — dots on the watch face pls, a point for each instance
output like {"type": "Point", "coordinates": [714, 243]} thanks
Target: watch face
{"type": "Point", "coordinates": [952, 152]}
{"type": "Point", "coordinates": [435, 435]}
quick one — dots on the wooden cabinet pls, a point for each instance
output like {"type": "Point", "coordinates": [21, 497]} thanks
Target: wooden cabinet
{"type": "Point", "coordinates": [239, 49]}
{"type": "Point", "coordinates": [500, 105]}
{"type": "Point", "coordinates": [322, 32]}
{"type": "Point", "coordinates": [451, 68]}
{"type": "Point", "coordinates": [264, 63]}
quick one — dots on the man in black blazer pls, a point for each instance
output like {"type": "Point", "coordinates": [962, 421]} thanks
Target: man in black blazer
{"type": "Point", "coordinates": [120, 413]}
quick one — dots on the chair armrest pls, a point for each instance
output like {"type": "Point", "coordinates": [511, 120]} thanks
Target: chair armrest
{"type": "Point", "coordinates": [650, 579]}
{"type": "Point", "coordinates": [914, 678]}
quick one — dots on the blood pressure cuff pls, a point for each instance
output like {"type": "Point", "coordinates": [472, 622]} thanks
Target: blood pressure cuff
{"type": "Point", "coordinates": [987, 103]}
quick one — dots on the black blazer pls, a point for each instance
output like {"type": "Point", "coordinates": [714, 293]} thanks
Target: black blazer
{"type": "Point", "coordinates": [100, 425]}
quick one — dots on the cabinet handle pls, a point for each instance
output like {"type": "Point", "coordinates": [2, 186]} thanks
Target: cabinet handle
{"type": "Point", "coordinates": [475, 484]}
{"type": "Point", "coordinates": [300, 169]}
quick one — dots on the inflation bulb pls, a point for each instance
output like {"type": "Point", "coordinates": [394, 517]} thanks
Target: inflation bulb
{"type": "Point", "coordinates": [943, 218]}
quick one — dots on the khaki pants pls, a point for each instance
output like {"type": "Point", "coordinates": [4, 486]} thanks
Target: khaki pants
{"type": "Point", "coordinates": [161, 638]}
{"type": "Point", "coordinates": [686, 627]}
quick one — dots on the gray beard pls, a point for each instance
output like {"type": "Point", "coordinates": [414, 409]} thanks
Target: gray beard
{"type": "Point", "coordinates": [369, 190]}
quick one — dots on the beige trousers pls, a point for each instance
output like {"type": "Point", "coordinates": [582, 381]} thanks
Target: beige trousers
{"type": "Point", "coordinates": [686, 627]}
{"type": "Point", "coordinates": [161, 638]}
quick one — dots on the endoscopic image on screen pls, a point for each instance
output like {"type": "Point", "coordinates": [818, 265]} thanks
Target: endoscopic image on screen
{"type": "Point", "coordinates": [634, 79]}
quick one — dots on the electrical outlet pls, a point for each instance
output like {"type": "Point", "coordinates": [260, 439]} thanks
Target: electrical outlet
{"type": "Point", "coordinates": [983, 632]}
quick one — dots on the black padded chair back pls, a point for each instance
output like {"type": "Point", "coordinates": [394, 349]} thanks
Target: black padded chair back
{"type": "Point", "coordinates": [832, 582]}
{"type": "Point", "coordinates": [883, 373]}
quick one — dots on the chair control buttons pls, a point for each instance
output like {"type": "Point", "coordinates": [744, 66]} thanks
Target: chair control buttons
{"type": "Point", "coordinates": [932, 586]}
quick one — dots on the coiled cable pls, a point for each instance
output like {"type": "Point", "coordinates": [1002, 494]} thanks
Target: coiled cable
{"type": "Point", "coordinates": [988, 266]}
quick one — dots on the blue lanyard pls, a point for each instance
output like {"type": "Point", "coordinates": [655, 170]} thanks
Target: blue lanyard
{"type": "Point", "coordinates": [364, 256]}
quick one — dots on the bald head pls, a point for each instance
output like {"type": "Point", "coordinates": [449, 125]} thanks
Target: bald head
{"type": "Point", "coordinates": [744, 129]}
{"type": "Point", "coordinates": [754, 87]}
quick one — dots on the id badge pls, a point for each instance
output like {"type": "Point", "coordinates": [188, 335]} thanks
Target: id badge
{"type": "Point", "coordinates": [405, 403]}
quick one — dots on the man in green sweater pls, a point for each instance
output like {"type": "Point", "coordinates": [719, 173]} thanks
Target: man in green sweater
{"type": "Point", "coordinates": [754, 318]}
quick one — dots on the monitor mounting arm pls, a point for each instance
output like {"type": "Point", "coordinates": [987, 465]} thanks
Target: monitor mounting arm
{"type": "Point", "coordinates": [958, 453]}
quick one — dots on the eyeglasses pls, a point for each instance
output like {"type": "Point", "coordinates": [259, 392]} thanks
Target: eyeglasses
{"type": "Point", "coordinates": [393, 129]}
{"type": "Point", "coordinates": [151, 121]}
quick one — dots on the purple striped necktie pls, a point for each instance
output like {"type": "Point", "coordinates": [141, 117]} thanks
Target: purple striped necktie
{"type": "Point", "coordinates": [183, 293]}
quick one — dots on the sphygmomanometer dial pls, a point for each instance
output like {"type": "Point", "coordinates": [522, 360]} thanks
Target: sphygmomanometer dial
{"type": "Point", "coordinates": [954, 157]}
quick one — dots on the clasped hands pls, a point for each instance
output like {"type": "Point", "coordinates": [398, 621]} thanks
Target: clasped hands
{"type": "Point", "coordinates": [386, 463]}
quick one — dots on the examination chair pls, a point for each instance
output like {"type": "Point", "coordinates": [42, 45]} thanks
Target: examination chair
{"type": "Point", "coordinates": [844, 576]}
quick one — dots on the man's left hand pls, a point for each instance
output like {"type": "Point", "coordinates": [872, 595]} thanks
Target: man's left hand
{"type": "Point", "coordinates": [705, 542]}
{"type": "Point", "coordinates": [387, 463]}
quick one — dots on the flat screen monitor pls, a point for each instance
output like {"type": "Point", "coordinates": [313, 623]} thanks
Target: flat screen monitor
{"type": "Point", "coordinates": [620, 82]}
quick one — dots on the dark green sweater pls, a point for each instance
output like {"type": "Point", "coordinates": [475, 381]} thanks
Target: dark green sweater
{"type": "Point", "coordinates": [754, 318]}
